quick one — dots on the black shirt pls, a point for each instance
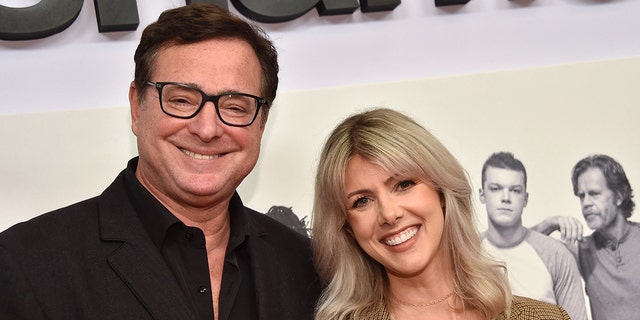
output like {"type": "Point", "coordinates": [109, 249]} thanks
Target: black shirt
{"type": "Point", "coordinates": [184, 250]}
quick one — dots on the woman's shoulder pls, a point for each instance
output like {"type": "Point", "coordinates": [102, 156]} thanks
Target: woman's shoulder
{"type": "Point", "coordinates": [523, 308]}
{"type": "Point", "coordinates": [375, 312]}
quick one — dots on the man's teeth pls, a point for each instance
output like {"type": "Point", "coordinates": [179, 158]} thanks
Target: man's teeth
{"type": "Point", "coordinates": [199, 156]}
{"type": "Point", "coordinates": [402, 237]}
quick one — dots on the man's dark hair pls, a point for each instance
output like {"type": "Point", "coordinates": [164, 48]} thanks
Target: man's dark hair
{"type": "Point", "coordinates": [614, 175]}
{"type": "Point", "coordinates": [199, 22]}
{"type": "Point", "coordinates": [503, 160]}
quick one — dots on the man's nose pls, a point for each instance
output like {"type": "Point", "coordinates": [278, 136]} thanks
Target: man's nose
{"type": "Point", "coordinates": [587, 201]}
{"type": "Point", "coordinates": [207, 124]}
{"type": "Point", "coordinates": [505, 196]}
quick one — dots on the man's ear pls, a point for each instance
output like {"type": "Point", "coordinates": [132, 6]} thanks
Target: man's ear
{"type": "Point", "coordinates": [481, 193]}
{"type": "Point", "coordinates": [526, 198]}
{"type": "Point", "coordinates": [135, 105]}
{"type": "Point", "coordinates": [619, 199]}
{"type": "Point", "coordinates": [264, 116]}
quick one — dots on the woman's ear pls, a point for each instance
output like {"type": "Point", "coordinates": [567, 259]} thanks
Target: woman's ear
{"type": "Point", "coordinates": [347, 228]}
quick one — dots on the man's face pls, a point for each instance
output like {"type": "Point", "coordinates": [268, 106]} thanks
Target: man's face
{"type": "Point", "coordinates": [600, 205]}
{"type": "Point", "coordinates": [504, 195]}
{"type": "Point", "coordinates": [197, 162]}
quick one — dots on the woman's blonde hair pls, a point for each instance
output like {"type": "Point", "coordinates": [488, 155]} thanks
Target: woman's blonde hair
{"type": "Point", "coordinates": [356, 282]}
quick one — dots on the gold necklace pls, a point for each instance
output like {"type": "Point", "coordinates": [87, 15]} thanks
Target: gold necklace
{"type": "Point", "coordinates": [422, 305]}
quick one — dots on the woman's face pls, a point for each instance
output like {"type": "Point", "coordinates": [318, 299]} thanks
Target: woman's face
{"type": "Point", "coordinates": [396, 219]}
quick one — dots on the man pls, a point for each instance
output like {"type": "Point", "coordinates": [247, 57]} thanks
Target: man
{"type": "Point", "coordinates": [170, 238]}
{"type": "Point", "coordinates": [539, 267]}
{"type": "Point", "coordinates": [608, 258]}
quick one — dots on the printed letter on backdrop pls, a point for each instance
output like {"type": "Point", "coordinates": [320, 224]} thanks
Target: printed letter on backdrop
{"type": "Point", "coordinates": [443, 3]}
{"type": "Point", "coordinates": [219, 3]}
{"type": "Point", "coordinates": [117, 15]}
{"type": "Point", "coordinates": [41, 20]}
{"type": "Point", "coordinates": [378, 5]}
{"type": "Point", "coordinates": [271, 11]}
{"type": "Point", "coordinates": [336, 7]}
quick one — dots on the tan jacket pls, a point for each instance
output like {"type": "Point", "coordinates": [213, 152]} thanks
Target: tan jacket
{"type": "Point", "coordinates": [521, 309]}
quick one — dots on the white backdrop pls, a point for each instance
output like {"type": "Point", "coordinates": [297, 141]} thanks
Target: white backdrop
{"type": "Point", "coordinates": [549, 117]}
{"type": "Point", "coordinates": [80, 68]}
{"type": "Point", "coordinates": [550, 80]}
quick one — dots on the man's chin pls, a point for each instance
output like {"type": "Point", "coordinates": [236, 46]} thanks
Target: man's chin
{"type": "Point", "coordinates": [593, 223]}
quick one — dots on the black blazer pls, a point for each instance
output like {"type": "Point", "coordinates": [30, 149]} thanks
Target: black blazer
{"type": "Point", "coordinates": [94, 260]}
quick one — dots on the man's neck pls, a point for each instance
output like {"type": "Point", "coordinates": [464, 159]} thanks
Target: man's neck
{"type": "Point", "coordinates": [617, 230]}
{"type": "Point", "coordinates": [505, 237]}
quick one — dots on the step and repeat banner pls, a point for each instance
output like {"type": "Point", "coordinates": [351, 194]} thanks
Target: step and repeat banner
{"type": "Point", "coordinates": [551, 81]}
{"type": "Point", "coordinates": [548, 117]}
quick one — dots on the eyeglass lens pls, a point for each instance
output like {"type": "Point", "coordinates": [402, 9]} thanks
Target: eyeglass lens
{"type": "Point", "coordinates": [184, 102]}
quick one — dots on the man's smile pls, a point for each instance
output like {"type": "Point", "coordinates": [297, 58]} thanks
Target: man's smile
{"type": "Point", "coordinates": [200, 156]}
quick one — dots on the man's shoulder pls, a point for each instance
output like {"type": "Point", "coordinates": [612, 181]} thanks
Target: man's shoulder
{"type": "Point", "coordinates": [50, 236]}
{"type": "Point", "coordinates": [546, 243]}
{"type": "Point", "coordinates": [270, 228]}
{"type": "Point", "coordinates": [523, 308]}
{"type": "Point", "coordinates": [264, 224]}
{"type": "Point", "coordinates": [271, 238]}
{"type": "Point", "coordinates": [635, 228]}
{"type": "Point", "coordinates": [596, 241]}
{"type": "Point", "coordinates": [59, 220]}
{"type": "Point", "coordinates": [71, 219]}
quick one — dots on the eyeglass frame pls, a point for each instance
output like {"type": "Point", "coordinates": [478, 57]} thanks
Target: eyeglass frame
{"type": "Point", "coordinates": [205, 98]}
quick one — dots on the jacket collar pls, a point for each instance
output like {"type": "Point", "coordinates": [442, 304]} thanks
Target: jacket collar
{"type": "Point", "coordinates": [137, 261]}
{"type": "Point", "coordinates": [141, 267]}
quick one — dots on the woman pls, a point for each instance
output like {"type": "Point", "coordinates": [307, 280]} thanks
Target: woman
{"type": "Point", "coordinates": [394, 231]}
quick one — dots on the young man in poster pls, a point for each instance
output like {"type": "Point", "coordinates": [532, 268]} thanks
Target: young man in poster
{"type": "Point", "coordinates": [538, 266]}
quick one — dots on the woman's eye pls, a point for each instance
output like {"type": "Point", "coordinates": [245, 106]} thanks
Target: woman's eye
{"type": "Point", "coordinates": [360, 202]}
{"type": "Point", "coordinates": [406, 184]}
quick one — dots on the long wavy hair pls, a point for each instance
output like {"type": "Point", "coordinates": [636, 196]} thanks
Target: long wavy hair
{"type": "Point", "coordinates": [354, 281]}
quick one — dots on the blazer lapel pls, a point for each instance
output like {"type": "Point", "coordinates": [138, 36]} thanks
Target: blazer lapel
{"type": "Point", "coordinates": [138, 262]}
{"type": "Point", "coordinates": [267, 284]}
{"type": "Point", "coordinates": [151, 281]}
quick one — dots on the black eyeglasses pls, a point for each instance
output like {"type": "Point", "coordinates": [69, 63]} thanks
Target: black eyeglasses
{"type": "Point", "coordinates": [185, 101]}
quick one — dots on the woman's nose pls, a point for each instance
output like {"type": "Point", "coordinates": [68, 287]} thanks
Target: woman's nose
{"type": "Point", "coordinates": [389, 212]}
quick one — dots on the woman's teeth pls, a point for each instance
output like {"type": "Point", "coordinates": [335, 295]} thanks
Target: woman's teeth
{"type": "Point", "coordinates": [402, 237]}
